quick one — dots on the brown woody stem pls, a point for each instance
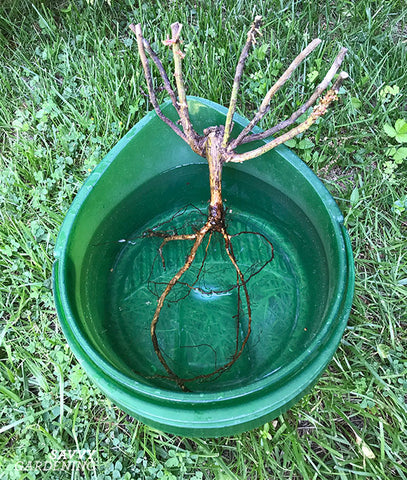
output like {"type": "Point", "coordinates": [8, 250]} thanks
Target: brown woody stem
{"type": "Point", "coordinates": [314, 97]}
{"type": "Point", "coordinates": [192, 136]}
{"type": "Point", "coordinates": [265, 105]}
{"type": "Point", "coordinates": [147, 73]}
{"type": "Point", "coordinates": [215, 160]}
{"type": "Point", "coordinates": [238, 75]}
{"type": "Point", "coordinates": [318, 111]}
{"type": "Point", "coordinates": [163, 73]}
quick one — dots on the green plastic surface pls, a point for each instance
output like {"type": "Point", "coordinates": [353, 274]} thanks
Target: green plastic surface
{"type": "Point", "coordinates": [300, 301]}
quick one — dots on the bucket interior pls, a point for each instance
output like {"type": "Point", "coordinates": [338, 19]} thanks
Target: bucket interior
{"type": "Point", "coordinates": [121, 277]}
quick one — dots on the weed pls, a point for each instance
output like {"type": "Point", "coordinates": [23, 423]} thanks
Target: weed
{"type": "Point", "coordinates": [395, 153]}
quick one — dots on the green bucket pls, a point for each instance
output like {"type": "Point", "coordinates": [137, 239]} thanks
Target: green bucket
{"type": "Point", "coordinates": [105, 281]}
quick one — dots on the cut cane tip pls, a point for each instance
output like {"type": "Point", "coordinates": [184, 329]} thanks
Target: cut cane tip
{"type": "Point", "coordinates": [313, 45]}
{"type": "Point", "coordinates": [135, 28]}
{"type": "Point", "coordinates": [258, 20]}
{"type": "Point", "coordinates": [338, 83]}
{"type": "Point", "coordinates": [176, 30]}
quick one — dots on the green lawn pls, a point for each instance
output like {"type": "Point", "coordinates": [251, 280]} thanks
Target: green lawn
{"type": "Point", "coordinates": [71, 86]}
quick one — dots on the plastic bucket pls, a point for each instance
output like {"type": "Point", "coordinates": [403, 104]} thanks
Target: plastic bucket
{"type": "Point", "coordinates": [300, 302]}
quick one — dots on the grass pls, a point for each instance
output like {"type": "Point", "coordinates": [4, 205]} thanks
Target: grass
{"type": "Point", "coordinates": [70, 87]}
